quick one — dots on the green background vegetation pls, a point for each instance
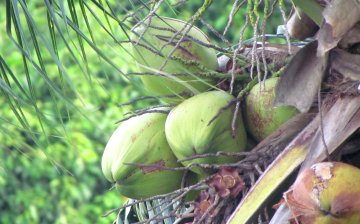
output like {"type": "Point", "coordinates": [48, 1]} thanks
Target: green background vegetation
{"type": "Point", "coordinates": [50, 154]}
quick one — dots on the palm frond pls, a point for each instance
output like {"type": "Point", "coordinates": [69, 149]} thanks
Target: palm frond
{"type": "Point", "coordinates": [38, 46]}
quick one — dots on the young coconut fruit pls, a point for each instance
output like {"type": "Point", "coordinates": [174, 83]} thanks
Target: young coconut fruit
{"type": "Point", "coordinates": [188, 131]}
{"type": "Point", "coordinates": [156, 35]}
{"type": "Point", "coordinates": [141, 140]}
{"type": "Point", "coordinates": [328, 192]}
{"type": "Point", "coordinates": [261, 117]}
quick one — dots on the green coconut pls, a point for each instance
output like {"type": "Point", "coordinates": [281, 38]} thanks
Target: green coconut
{"type": "Point", "coordinates": [156, 36]}
{"type": "Point", "coordinates": [188, 131]}
{"type": "Point", "coordinates": [261, 117]}
{"type": "Point", "coordinates": [141, 140]}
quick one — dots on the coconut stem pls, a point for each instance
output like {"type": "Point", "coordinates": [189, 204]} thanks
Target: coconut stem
{"type": "Point", "coordinates": [247, 88]}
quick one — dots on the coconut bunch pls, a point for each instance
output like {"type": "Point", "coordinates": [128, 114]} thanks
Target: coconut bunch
{"type": "Point", "coordinates": [172, 152]}
{"type": "Point", "coordinates": [227, 142]}
{"type": "Point", "coordinates": [238, 137]}
{"type": "Point", "coordinates": [220, 142]}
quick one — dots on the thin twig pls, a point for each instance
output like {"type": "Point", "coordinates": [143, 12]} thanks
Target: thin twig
{"type": "Point", "coordinates": [193, 19]}
{"type": "Point", "coordinates": [234, 56]}
{"type": "Point", "coordinates": [221, 110]}
{"type": "Point", "coordinates": [185, 94]}
{"type": "Point", "coordinates": [213, 30]}
{"type": "Point", "coordinates": [234, 119]}
{"type": "Point", "coordinates": [263, 30]}
{"type": "Point", "coordinates": [220, 153]}
{"type": "Point", "coordinates": [234, 9]}
{"type": "Point", "coordinates": [137, 112]}
{"type": "Point", "coordinates": [208, 210]}
{"type": "Point", "coordinates": [285, 19]}
{"type": "Point", "coordinates": [141, 113]}
{"type": "Point", "coordinates": [198, 186]}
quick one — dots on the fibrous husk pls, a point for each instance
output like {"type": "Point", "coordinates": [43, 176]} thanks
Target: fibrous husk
{"type": "Point", "coordinates": [192, 130]}
{"type": "Point", "coordinates": [261, 117]}
{"type": "Point", "coordinates": [141, 141]}
{"type": "Point", "coordinates": [174, 69]}
{"type": "Point", "coordinates": [326, 192]}
{"type": "Point", "coordinates": [305, 71]}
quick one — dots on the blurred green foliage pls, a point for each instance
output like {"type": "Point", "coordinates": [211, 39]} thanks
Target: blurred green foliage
{"type": "Point", "coordinates": [56, 176]}
{"type": "Point", "coordinates": [50, 172]}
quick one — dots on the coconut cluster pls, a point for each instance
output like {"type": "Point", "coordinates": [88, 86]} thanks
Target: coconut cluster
{"type": "Point", "coordinates": [141, 156]}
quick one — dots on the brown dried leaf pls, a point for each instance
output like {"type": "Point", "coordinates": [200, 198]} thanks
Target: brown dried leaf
{"type": "Point", "coordinates": [350, 38]}
{"type": "Point", "coordinates": [301, 26]}
{"type": "Point", "coordinates": [301, 79]}
{"type": "Point", "coordinates": [345, 63]}
{"type": "Point", "coordinates": [339, 17]}
{"type": "Point", "coordinates": [342, 120]}
{"type": "Point", "coordinates": [300, 209]}
{"type": "Point", "coordinates": [156, 166]}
